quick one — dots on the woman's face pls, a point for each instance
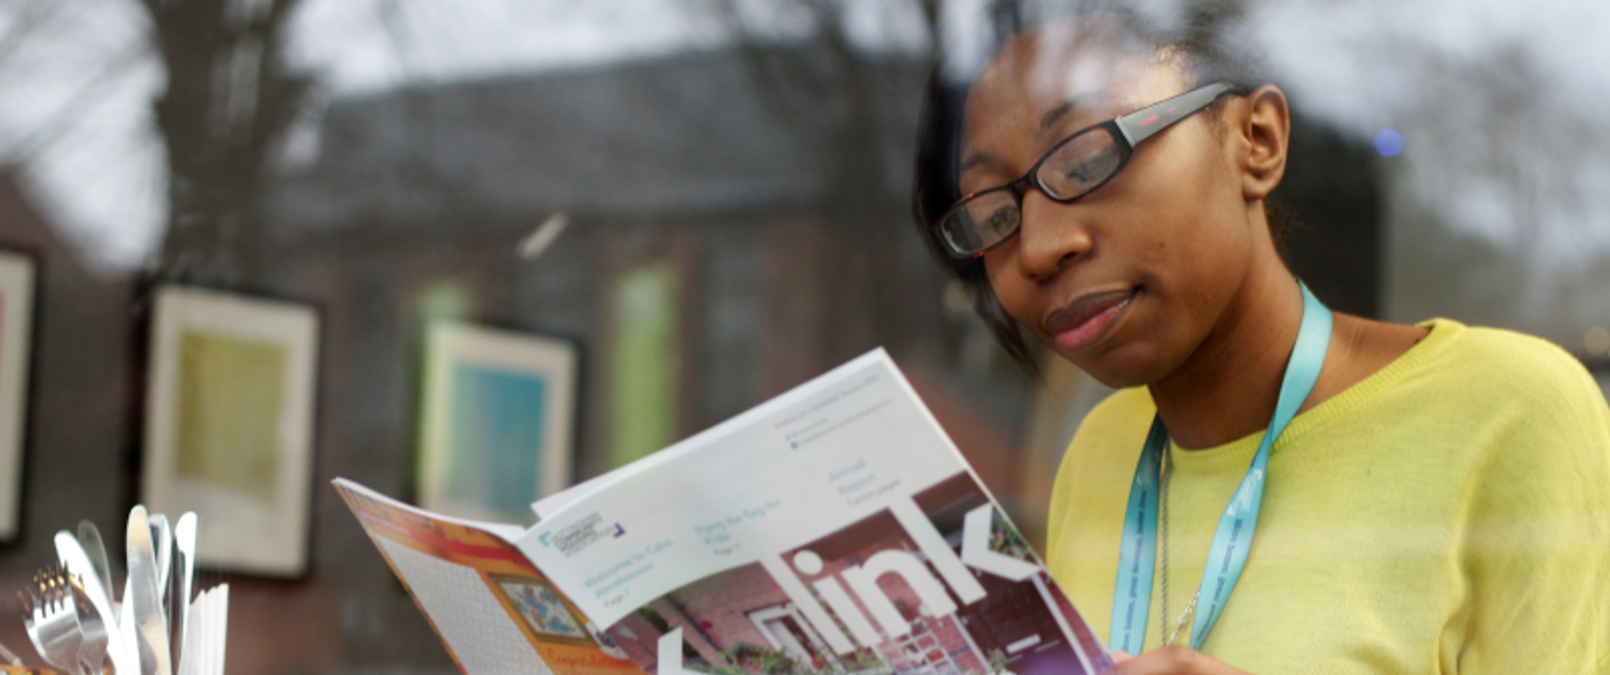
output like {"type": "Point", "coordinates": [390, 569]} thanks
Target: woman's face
{"type": "Point", "coordinates": [1127, 281]}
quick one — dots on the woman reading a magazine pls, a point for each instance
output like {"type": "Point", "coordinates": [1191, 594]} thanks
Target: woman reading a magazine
{"type": "Point", "coordinates": [1276, 488]}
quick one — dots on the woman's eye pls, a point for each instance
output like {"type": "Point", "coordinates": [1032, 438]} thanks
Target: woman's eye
{"type": "Point", "coordinates": [1088, 171]}
{"type": "Point", "coordinates": [1001, 220]}
{"type": "Point", "coordinates": [1080, 167]}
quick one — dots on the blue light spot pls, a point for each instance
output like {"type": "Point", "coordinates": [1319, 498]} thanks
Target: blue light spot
{"type": "Point", "coordinates": [1389, 143]}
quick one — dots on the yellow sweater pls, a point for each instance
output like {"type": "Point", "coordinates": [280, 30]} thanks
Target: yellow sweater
{"type": "Point", "coordinates": [1449, 514]}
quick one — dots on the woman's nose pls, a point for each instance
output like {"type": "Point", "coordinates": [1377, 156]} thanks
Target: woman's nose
{"type": "Point", "coordinates": [1051, 235]}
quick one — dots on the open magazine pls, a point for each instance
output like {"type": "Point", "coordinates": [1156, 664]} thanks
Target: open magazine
{"type": "Point", "coordinates": [833, 529]}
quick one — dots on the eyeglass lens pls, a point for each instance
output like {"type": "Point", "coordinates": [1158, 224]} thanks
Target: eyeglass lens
{"type": "Point", "coordinates": [1077, 166]}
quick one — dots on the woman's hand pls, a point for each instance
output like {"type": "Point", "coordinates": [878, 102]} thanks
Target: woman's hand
{"type": "Point", "coordinates": [1175, 660]}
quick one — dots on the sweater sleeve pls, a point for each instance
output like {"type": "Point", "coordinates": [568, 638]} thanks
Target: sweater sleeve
{"type": "Point", "coordinates": [1537, 538]}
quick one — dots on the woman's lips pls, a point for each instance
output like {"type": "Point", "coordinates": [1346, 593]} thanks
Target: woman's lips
{"type": "Point", "coordinates": [1088, 319]}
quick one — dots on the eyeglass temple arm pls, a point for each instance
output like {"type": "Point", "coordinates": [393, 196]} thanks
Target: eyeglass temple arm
{"type": "Point", "coordinates": [1141, 124]}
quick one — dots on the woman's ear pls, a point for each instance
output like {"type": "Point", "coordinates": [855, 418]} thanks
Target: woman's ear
{"type": "Point", "coordinates": [1263, 134]}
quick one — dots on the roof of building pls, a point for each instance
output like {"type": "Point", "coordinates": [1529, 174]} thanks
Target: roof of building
{"type": "Point", "coordinates": [681, 136]}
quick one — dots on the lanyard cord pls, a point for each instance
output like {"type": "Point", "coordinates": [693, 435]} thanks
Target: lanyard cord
{"type": "Point", "coordinates": [1232, 538]}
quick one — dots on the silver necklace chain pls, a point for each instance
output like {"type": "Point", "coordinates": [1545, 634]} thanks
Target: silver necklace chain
{"type": "Point", "coordinates": [1162, 517]}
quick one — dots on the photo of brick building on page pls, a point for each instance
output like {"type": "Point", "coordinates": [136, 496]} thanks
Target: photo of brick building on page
{"type": "Point", "coordinates": [868, 598]}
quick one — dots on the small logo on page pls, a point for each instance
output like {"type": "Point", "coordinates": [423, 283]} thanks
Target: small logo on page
{"type": "Point", "coordinates": [577, 536]}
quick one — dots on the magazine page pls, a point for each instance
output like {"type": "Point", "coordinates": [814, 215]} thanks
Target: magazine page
{"type": "Point", "coordinates": [833, 529]}
{"type": "Point", "coordinates": [494, 612]}
{"type": "Point", "coordinates": [551, 504]}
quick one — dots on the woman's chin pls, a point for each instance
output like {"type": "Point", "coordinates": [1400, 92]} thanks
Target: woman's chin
{"type": "Point", "coordinates": [1117, 380]}
{"type": "Point", "coordinates": [1122, 367]}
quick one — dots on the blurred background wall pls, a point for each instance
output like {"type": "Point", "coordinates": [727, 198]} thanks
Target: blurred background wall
{"type": "Point", "coordinates": [735, 176]}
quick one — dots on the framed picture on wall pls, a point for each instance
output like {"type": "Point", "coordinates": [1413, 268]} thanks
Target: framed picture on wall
{"type": "Point", "coordinates": [17, 272]}
{"type": "Point", "coordinates": [229, 425]}
{"type": "Point", "coordinates": [496, 424]}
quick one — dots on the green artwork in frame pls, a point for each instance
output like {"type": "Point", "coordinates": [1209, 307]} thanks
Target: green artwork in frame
{"type": "Point", "coordinates": [644, 352]}
{"type": "Point", "coordinates": [230, 397]}
{"type": "Point", "coordinates": [229, 425]}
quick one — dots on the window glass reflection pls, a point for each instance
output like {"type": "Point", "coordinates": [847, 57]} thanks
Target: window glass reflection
{"type": "Point", "coordinates": [734, 180]}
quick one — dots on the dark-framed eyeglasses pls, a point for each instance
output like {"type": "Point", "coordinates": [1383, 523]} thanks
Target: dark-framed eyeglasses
{"type": "Point", "coordinates": [1074, 167]}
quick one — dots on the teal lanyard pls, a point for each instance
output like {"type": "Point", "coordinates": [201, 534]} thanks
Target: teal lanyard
{"type": "Point", "coordinates": [1132, 594]}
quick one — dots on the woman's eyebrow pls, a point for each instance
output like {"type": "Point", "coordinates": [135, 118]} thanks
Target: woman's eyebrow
{"type": "Point", "coordinates": [974, 159]}
{"type": "Point", "coordinates": [1056, 114]}
{"type": "Point", "coordinates": [1049, 120]}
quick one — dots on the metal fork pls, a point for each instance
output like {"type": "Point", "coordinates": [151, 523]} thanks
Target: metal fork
{"type": "Point", "coordinates": [93, 652]}
{"type": "Point", "coordinates": [52, 620]}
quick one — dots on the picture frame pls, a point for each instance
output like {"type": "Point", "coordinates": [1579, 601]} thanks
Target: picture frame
{"type": "Point", "coordinates": [229, 425]}
{"type": "Point", "coordinates": [18, 279]}
{"type": "Point", "coordinates": [497, 420]}
{"type": "Point", "coordinates": [543, 613]}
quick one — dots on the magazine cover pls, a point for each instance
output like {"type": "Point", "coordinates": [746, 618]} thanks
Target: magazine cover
{"type": "Point", "coordinates": [834, 529]}
{"type": "Point", "coordinates": [494, 611]}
